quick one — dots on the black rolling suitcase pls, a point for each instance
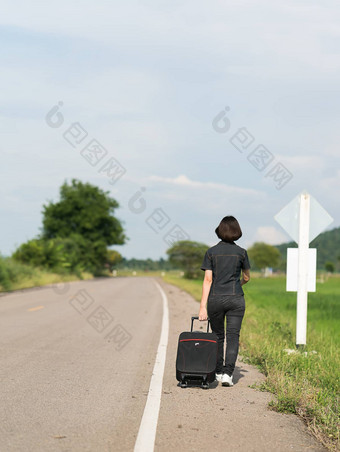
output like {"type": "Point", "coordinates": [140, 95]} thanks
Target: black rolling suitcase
{"type": "Point", "coordinates": [196, 357]}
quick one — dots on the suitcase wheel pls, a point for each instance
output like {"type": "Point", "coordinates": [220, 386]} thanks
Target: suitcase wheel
{"type": "Point", "coordinates": [183, 384]}
{"type": "Point", "coordinates": [205, 385]}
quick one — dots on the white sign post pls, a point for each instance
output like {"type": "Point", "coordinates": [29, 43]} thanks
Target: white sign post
{"type": "Point", "coordinates": [301, 307]}
{"type": "Point", "coordinates": [303, 219]}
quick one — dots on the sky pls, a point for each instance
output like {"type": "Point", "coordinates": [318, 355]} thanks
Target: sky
{"type": "Point", "coordinates": [183, 111]}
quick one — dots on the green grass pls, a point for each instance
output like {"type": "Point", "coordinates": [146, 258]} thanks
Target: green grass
{"type": "Point", "coordinates": [16, 276]}
{"type": "Point", "coordinates": [305, 383]}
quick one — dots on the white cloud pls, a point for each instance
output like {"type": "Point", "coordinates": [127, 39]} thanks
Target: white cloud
{"type": "Point", "coordinates": [269, 234]}
{"type": "Point", "coordinates": [183, 181]}
{"type": "Point", "coordinates": [146, 79]}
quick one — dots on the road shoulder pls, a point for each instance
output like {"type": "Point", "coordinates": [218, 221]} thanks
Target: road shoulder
{"type": "Point", "coordinates": [236, 418]}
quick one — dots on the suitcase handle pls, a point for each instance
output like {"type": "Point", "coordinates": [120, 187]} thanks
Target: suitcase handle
{"type": "Point", "coordinates": [195, 317]}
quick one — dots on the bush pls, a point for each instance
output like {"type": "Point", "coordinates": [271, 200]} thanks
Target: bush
{"type": "Point", "coordinates": [62, 255]}
{"type": "Point", "coordinates": [5, 282]}
{"type": "Point", "coordinates": [12, 272]}
{"type": "Point", "coordinates": [73, 254]}
{"type": "Point", "coordinates": [330, 267]}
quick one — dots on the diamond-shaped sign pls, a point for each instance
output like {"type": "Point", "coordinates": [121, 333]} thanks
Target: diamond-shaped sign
{"type": "Point", "coordinates": [288, 218]}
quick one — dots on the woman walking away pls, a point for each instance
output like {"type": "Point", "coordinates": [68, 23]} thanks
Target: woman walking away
{"type": "Point", "coordinates": [223, 294]}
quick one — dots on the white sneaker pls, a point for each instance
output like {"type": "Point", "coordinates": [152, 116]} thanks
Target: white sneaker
{"type": "Point", "coordinates": [227, 380]}
{"type": "Point", "coordinates": [218, 377]}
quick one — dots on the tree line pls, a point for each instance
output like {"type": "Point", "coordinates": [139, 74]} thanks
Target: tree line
{"type": "Point", "coordinates": [79, 230]}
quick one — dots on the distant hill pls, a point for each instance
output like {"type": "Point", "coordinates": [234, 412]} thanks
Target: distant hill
{"type": "Point", "coordinates": [328, 248]}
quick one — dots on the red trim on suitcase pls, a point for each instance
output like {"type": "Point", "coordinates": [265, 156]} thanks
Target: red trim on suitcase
{"type": "Point", "coordinates": [197, 340]}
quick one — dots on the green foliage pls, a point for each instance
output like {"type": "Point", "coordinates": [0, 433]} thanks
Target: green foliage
{"type": "Point", "coordinates": [5, 282]}
{"type": "Point", "coordinates": [327, 244]}
{"type": "Point", "coordinates": [76, 232]}
{"type": "Point", "coordinates": [12, 272]}
{"type": "Point", "coordinates": [304, 382]}
{"type": "Point", "coordinates": [263, 255]}
{"type": "Point", "coordinates": [188, 256]}
{"type": "Point", "coordinates": [34, 252]}
{"type": "Point", "coordinates": [144, 264]}
{"type": "Point", "coordinates": [113, 258]}
{"type": "Point", "coordinates": [330, 267]}
{"type": "Point", "coordinates": [85, 210]}
{"type": "Point", "coordinates": [15, 275]}
{"type": "Point", "coordinates": [60, 254]}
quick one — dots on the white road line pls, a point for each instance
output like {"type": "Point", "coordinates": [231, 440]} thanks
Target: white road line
{"type": "Point", "coordinates": [145, 441]}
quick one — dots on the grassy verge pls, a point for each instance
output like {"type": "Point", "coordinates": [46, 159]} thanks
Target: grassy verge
{"type": "Point", "coordinates": [306, 382]}
{"type": "Point", "coordinates": [42, 278]}
{"type": "Point", "coordinates": [16, 276]}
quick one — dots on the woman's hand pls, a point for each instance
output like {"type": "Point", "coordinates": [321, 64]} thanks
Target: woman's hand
{"type": "Point", "coordinates": [203, 315]}
{"type": "Point", "coordinates": [205, 293]}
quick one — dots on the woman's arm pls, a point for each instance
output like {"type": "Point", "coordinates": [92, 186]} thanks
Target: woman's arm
{"type": "Point", "coordinates": [245, 277]}
{"type": "Point", "coordinates": [203, 315]}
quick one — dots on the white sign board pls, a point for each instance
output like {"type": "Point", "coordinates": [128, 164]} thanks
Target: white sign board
{"type": "Point", "coordinates": [303, 219]}
{"type": "Point", "coordinates": [292, 270]}
{"type": "Point", "coordinates": [288, 218]}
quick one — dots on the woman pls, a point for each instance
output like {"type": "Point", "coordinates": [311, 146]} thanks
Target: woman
{"type": "Point", "coordinates": [222, 291]}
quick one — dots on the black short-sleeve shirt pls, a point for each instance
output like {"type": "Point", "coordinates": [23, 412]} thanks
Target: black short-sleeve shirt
{"type": "Point", "coordinates": [226, 260]}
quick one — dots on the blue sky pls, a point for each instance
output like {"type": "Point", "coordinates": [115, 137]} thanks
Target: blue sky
{"type": "Point", "coordinates": [146, 80]}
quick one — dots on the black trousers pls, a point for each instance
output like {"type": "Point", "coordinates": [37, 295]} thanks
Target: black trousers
{"type": "Point", "coordinates": [231, 308]}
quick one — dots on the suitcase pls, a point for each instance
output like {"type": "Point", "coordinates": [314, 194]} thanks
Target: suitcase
{"type": "Point", "coordinates": [196, 357]}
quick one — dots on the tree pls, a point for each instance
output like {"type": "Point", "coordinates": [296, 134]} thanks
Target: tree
{"type": "Point", "coordinates": [330, 267]}
{"type": "Point", "coordinates": [86, 210]}
{"type": "Point", "coordinates": [144, 264]}
{"type": "Point", "coordinates": [264, 255]}
{"type": "Point", "coordinates": [188, 256]}
{"type": "Point", "coordinates": [76, 232]}
{"type": "Point", "coordinates": [327, 244]}
{"type": "Point", "coordinates": [113, 258]}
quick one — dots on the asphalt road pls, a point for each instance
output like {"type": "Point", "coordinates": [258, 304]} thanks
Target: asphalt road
{"type": "Point", "coordinates": [76, 363]}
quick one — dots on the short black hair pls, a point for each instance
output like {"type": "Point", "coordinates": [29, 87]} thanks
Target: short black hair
{"type": "Point", "coordinates": [229, 229]}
